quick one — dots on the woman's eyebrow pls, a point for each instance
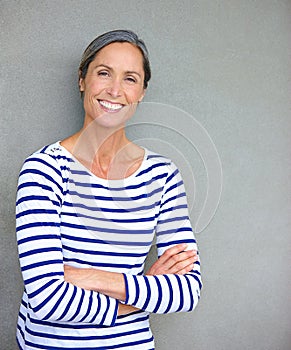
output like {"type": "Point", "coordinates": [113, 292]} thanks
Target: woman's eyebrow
{"type": "Point", "coordinates": [102, 65]}
{"type": "Point", "coordinates": [133, 72]}
{"type": "Point", "coordinates": [110, 68]}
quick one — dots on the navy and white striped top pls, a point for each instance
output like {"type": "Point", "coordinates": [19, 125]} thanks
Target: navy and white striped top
{"type": "Point", "coordinates": [65, 214]}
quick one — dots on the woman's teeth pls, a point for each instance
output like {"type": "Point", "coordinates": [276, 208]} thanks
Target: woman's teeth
{"type": "Point", "coordinates": [110, 106]}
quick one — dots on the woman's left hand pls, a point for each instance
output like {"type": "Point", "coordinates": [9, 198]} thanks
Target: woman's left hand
{"type": "Point", "coordinates": [175, 260]}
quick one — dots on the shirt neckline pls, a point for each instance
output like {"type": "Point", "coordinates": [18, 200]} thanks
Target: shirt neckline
{"type": "Point", "coordinates": [100, 179]}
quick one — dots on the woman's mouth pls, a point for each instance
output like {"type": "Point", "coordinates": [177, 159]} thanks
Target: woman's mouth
{"type": "Point", "coordinates": [109, 106]}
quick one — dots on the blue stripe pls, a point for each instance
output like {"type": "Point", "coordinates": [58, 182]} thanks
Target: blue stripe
{"type": "Point", "coordinates": [98, 308]}
{"type": "Point", "coordinates": [182, 206]}
{"type": "Point", "coordinates": [66, 309]}
{"type": "Point", "coordinates": [22, 334]}
{"type": "Point", "coordinates": [180, 195]}
{"type": "Point", "coordinates": [159, 295]}
{"type": "Point", "coordinates": [176, 218]}
{"type": "Point", "coordinates": [37, 224]}
{"type": "Point", "coordinates": [190, 292]}
{"type": "Point", "coordinates": [80, 172]}
{"type": "Point", "coordinates": [57, 304]}
{"type": "Point", "coordinates": [126, 288]}
{"type": "Point", "coordinates": [151, 156]}
{"type": "Point", "coordinates": [39, 251]}
{"type": "Point", "coordinates": [145, 171]}
{"type": "Point", "coordinates": [103, 253]}
{"type": "Point", "coordinates": [95, 218]}
{"type": "Point", "coordinates": [40, 160]}
{"type": "Point", "coordinates": [176, 185]}
{"type": "Point", "coordinates": [119, 321]}
{"type": "Point", "coordinates": [106, 311]}
{"type": "Point", "coordinates": [110, 210]}
{"type": "Point", "coordinates": [170, 293]}
{"type": "Point", "coordinates": [44, 149]}
{"type": "Point", "coordinates": [36, 238]}
{"type": "Point", "coordinates": [117, 265]}
{"type": "Point", "coordinates": [115, 199]}
{"type": "Point", "coordinates": [181, 293]}
{"type": "Point", "coordinates": [148, 294]}
{"type": "Point", "coordinates": [108, 347]}
{"type": "Point", "coordinates": [79, 306]}
{"type": "Point", "coordinates": [197, 279]}
{"type": "Point", "coordinates": [36, 211]}
{"type": "Point", "coordinates": [109, 230]}
{"type": "Point", "coordinates": [34, 184]}
{"type": "Point", "coordinates": [90, 303]}
{"type": "Point", "coordinates": [92, 240]}
{"type": "Point", "coordinates": [24, 303]}
{"type": "Point", "coordinates": [58, 156]}
{"type": "Point", "coordinates": [37, 198]}
{"type": "Point", "coordinates": [116, 189]}
{"type": "Point", "coordinates": [21, 316]}
{"type": "Point", "coordinates": [42, 174]}
{"type": "Point", "coordinates": [41, 263]}
{"type": "Point", "coordinates": [175, 230]}
{"type": "Point", "coordinates": [177, 241]}
{"type": "Point", "coordinates": [43, 276]}
{"type": "Point", "coordinates": [136, 320]}
{"type": "Point", "coordinates": [172, 176]}
{"type": "Point", "coordinates": [136, 290]}
{"type": "Point", "coordinates": [93, 337]}
{"type": "Point", "coordinates": [47, 299]}
{"type": "Point", "coordinates": [41, 288]}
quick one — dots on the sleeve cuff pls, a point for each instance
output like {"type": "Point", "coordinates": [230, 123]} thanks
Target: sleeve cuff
{"type": "Point", "coordinates": [114, 314]}
{"type": "Point", "coordinates": [126, 289]}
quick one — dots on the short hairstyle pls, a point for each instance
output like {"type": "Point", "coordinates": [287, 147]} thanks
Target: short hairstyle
{"type": "Point", "coordinates": [113, 36]}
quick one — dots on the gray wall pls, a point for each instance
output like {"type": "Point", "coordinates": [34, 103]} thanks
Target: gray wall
{"type": "Point", "coordinates": [227, 64]}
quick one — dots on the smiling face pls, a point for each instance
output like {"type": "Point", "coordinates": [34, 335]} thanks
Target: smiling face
{"type": "Point", "coordinates": [113, 84]}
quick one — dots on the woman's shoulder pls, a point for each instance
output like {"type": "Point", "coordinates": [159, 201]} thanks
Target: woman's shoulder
{"type": "Point", "coordinates": [53, 150]}
{"type": "Point", "coordinates": [49, 156]}
{"type": "Point", "coordinates": [156, 157]}
{"type": "Point", "coordinates": [158, 160]}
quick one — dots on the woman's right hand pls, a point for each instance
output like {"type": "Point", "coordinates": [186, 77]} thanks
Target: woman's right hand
{"type": "Point", "coordinates": [175, 260]}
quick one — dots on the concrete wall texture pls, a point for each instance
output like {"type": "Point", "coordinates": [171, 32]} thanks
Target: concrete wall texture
{"type": "Point", "coordinates": [224, 64]}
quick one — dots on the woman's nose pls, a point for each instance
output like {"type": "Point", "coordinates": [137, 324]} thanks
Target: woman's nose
{"type": "Point", "coordinates": [114, 88]}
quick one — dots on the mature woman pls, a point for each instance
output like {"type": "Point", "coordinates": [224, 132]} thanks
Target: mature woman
{"type": "Point", "coordinates": [88, 210]}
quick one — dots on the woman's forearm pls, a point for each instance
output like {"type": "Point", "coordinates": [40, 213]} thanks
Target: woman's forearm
{"type": "Point", "coordinates": [109, 283]}
{"type": "Point", "coordinates": [175, 260]}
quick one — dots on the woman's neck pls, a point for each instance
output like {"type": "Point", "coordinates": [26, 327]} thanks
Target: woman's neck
{"type": "Point", "coordinates": [94, 141]}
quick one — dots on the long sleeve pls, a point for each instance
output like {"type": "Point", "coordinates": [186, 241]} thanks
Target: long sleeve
{"type": "Point", "coordinates": [168, 293]}
{"type": "Point", "coordinates": [41, 188]}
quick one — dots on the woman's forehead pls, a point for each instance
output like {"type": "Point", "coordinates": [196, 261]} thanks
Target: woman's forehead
{"type": "Point", "coordinates": [120, 54]}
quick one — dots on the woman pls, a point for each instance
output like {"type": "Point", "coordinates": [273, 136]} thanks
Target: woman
{"type": "Point", "coordinates": [88, 210]}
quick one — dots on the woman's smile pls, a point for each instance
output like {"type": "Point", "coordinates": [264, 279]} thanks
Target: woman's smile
{"type": "Point", "coordinates": [110, 107]}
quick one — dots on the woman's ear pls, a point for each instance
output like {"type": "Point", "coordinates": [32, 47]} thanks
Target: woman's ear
{"type": "Point", "coordinates": [81, 83]}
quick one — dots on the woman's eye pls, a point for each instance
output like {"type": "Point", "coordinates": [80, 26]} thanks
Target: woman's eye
{"type": "Point", "coordinates": [131, 79]}
{"type": "Point", "coordinates": [103, 73]}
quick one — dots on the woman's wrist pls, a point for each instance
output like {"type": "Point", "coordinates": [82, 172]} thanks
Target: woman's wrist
{"type": "Point", "coordinates": [111, 284]}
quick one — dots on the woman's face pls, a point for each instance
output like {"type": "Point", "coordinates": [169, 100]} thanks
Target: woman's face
{"type": "Point", "coordinates": [113, 84]}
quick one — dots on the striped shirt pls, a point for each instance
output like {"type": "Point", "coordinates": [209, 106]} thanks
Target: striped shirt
{"type": "Point", "coordinates": [67, 215]}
